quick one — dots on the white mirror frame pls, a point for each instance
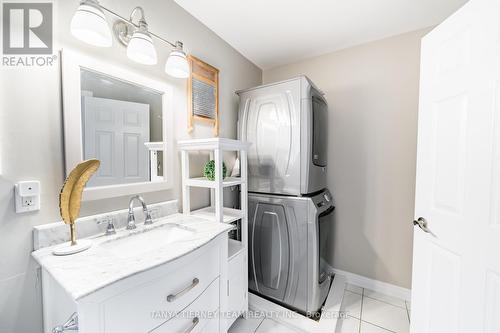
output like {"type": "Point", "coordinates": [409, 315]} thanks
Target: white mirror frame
{"type": "Point", "coordinates": [72, 62]}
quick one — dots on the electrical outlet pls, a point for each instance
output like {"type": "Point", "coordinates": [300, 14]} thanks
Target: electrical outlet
{"type": "Point", "coordinates": [28, 201]}
{"type": "Point", "coordinates": [27, 195]}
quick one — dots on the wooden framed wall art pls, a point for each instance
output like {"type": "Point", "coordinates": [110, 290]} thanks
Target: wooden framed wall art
{"type": "Point", "coordinates": [203, 94]}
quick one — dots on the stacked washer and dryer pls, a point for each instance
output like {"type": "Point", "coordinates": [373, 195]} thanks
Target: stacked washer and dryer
{"type": "Point", "coordinates": [288, 203]}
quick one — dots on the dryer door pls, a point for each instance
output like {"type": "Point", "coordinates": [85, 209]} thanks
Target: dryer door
{"type": "Point", "coordinates": [320, 123]}
{"type": "Point", "coordinates": [270, 120]}
{"type": "Point", "coordinates": [270, 251]}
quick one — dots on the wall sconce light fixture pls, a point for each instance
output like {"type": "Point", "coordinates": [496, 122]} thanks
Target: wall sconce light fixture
{"type": "Point", "coordinates": [89, 25]}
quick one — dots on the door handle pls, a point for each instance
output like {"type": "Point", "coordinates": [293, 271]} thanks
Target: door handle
{"type": "Point", "coordinates": [422, 223]}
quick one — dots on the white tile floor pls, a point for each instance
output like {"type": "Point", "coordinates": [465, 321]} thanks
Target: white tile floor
{"type": "Point", "coordinates": [368, 312]}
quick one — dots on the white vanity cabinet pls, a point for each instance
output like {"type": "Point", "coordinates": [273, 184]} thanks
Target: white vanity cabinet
{"type": "Point", "coordinates": [182, 295]}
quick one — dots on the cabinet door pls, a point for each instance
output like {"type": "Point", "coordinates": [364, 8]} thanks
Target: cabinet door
{"type": "Point", "coordinates": [237, 287]}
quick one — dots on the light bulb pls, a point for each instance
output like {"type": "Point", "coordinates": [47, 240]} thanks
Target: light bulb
{"type": "Point", "coordinates": [177, 64]}
{"type": "Point", "coordinates": [141, 49]}
{"type": "Point", "coordinates": [89, 25]}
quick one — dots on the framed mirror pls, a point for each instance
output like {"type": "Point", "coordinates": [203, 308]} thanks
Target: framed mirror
{"type": "Point", "coordinates": [123, 119]}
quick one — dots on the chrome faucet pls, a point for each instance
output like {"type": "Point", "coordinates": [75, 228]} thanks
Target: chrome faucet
{"type": "Point", "coordinates": [131, 218]}
{"type": "Point", "coordinates": [110, 227]}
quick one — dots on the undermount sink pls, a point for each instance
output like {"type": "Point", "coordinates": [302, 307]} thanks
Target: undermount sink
{"type": "Point", "coordinates": [148, 240]}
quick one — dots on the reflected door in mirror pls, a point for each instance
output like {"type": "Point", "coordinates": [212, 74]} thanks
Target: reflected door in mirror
{"type": "Point", "coordinates": [115, 132]}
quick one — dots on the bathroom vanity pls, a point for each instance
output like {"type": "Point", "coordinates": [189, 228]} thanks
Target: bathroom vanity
{"type": "Point", "coordinates": [171, 276]}
{"type": "Point", "coordinates": [179, 274]}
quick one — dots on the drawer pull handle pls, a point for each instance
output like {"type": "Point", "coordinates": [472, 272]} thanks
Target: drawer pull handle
{"type": "Point", "coordinates": [173, 297]}
{"type": "Point", "coordinates": [193, 325]}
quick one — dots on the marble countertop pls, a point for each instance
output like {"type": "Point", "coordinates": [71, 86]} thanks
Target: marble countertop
{"type": "Point", "coordinates": [86, 272]}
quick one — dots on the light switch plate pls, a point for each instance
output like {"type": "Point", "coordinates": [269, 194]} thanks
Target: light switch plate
{"type": "Point", "coordinates": [27, 195]}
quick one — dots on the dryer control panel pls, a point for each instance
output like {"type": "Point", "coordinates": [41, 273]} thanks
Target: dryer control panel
{"type": "Point", "coordinates": [323, 200]}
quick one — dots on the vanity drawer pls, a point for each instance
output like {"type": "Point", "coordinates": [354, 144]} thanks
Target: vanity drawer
{"type": "Point", "coordinates": [200, 316]}
{"type": "Point", "coordinates": [145, 306]}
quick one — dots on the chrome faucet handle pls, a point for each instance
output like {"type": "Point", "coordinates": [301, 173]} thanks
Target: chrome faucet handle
{"type": "Point", "coordinates": [110, 227]}
{"type": "Point", "coordinates": [148, 219]}
{"type": "Point", "coordinates": [131, 221]}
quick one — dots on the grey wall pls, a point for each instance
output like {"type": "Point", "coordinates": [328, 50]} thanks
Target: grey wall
{"type": "Point", "coordinates": [31, 145]}
{"type": "Point", "coordinates": [372, 92]}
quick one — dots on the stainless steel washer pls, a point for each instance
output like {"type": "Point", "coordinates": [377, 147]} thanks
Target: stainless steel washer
{"type": "Point", "coordinates": [287, 249]}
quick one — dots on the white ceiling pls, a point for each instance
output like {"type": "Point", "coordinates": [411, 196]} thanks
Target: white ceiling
{"type": "Point", "coordinates": [276, 32]}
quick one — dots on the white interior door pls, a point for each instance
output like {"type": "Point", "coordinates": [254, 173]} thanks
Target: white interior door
{"type": "Point", "coordinates": [456, 266]}
{"type": "Point", "coordinates": [115, 132]}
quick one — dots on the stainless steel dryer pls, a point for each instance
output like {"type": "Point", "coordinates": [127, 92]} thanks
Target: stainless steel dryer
{"type": "Point", "coordinates": [286, 122]}
{"type": "Point", "coordinates": [288, 239]}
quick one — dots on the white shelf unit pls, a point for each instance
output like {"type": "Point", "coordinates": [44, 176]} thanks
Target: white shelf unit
{"type": "Point", "coordinates": [216, 147]}
{"type": "Point", "coordinates": [228, 214]}
{"type": "Point", "coordinates": [203, 182]}
{"type": "Point", "coordinates": [154, 148]}
{"type": "Point", "coordinates": [237, 287]}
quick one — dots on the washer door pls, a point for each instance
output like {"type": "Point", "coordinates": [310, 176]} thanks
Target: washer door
{"type": "Point", "coordinates": [270, 251]}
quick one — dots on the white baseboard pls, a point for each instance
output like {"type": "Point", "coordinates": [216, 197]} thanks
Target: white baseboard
{"type": "Point", "coordinates": [375, 285]}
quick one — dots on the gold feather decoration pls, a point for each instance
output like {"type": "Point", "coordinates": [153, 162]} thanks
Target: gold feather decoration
{"type": "Point", "coordinates": [70, 198]}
